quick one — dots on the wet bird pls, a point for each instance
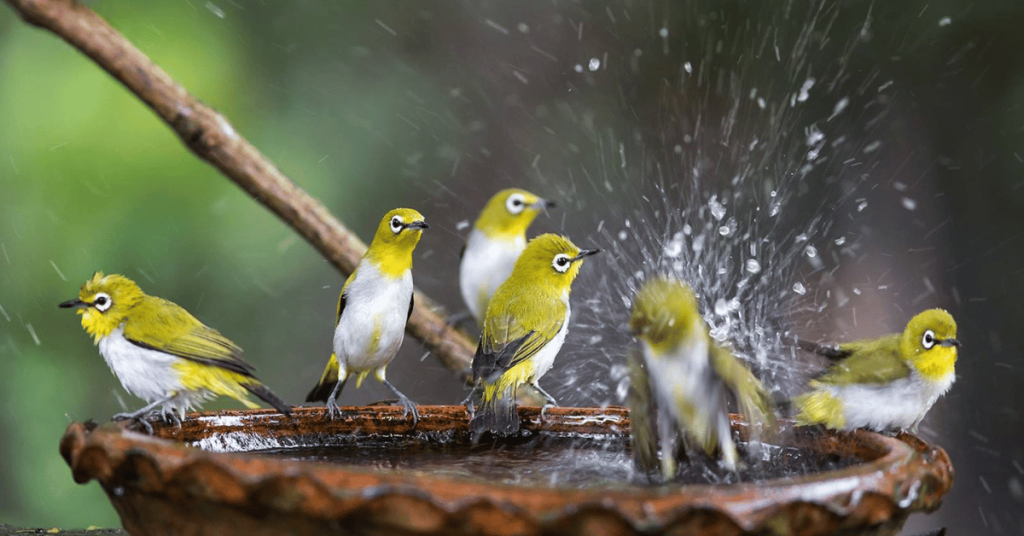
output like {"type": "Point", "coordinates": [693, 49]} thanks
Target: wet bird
{"type": "Point", "coordinates": [525, 326]}
{"type": "Point", "coordinates": [494, 244]}
{"type": "Point", "coordinates": [886, 383]}
{"type": "Point", "coordinates": [682, 391]}
{"type": "Point", "coordinates": [161, 353]}
{"type": "Point", "coordinates": [373, 308]}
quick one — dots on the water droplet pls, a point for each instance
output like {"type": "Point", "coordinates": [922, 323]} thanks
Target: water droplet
{"type": "Point", "coordinates": [841, 240]}
{"type": "Point", "coordinates": [909, 203]}
{"type": "Point", "coordinates": [688, 68]}
{"type": "Point", "coordinates": [462, 225]}
{"type": "Point", "coordinates": [623, 235]}
{"type": "Point", "coordinates": [578, 68]}
{"type": "Point", "coordinates": [663, 32]}
{"type": "Point", "coordinates": [945, 21]}
{"type": "Point", "coordinates": [594, 64]}
{"type": "Point", "coordinates": [753, 266]}
{"type": "Point", "coordinates": [799, 288]}
{"type": "Point", "coordinates": [721, 307]}
{"type": "Point", "coordinates": [724, 230]}
{"type": "Point", "coordinates": [805, 90]}
{"type": "Point", "coordinates": [811, 251]}
{"type": "Point", "coordinates": [523, 28]}
{"type": "Point", "coordinates": [687, 229]}
{"type": "Point", "coordinates": [717, 209]}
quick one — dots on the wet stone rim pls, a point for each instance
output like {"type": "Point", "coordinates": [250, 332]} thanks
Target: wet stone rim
{"type": "Point", "coordinates": [902, 475]}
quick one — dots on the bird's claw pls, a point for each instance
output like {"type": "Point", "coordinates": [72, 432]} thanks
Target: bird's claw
{"type": "Point", "coordinates": [544, 410]}
{"type": "Point", "coordinates": [333, 411]}
{"type": "Point", "coordinates": [409, 407]}
{"type": "Point", "coordinates": [137, 418]}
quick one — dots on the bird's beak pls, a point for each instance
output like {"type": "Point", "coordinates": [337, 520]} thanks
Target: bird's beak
{"type": "Point", "coordinates": [73, 303]}
{"type": "Point", "coordinates": [585, 253]}
{"type": "Point", "coordinates": [950, 342]}
{"type": "Point", "coordinates": [544, 204]}
{"type": "Point", "coordinates": [418, 224]}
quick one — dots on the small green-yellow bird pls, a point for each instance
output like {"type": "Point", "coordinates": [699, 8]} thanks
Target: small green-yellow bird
{"type": "Point", "coordinates": [161, 353]}
{"type": "Point", "coordinates": [525, 326]}
{"type": "Point", "coordinates": [688, 378]}
{"type": "Point", "coordinates": [885, 383]}
{"type": "Point", "coordinates": [375, 304]}
{"type": "Point", "coordinates": [494, 244]}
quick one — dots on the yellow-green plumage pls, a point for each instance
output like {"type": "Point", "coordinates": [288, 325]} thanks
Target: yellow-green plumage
{"type": "Point", "coordinates": [374, 305]}
{"type": "Point", "coordinates": [134, 329]}
{"type": "Point", "coordinates": [685, 378]}
{"type": "Point", "coordinates": [884, 383]}
{"type": "Point", "coordinates": [524, 328]}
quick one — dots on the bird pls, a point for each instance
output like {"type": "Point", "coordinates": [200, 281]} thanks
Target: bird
{"type": "Point", "coordinates": [374, 306]}
{"type": "Point", "coordinates": [524, 328]}
{"type": "Point", "coordinates": [685, 382]}
{"type": "Point", "coordinates": [883, 384]}
{"type": "Point", "coordinates": [161, 353]}
{"type": "Point", "coordinates": [494, 244]}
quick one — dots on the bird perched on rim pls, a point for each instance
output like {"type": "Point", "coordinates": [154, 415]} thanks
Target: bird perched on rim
{"type": "Point", "coordinates": [687, 377]}
{"type": "Point", "coordinates": [524, 329]}
{"type": "Point", "coordinates": [375, 304]}
{"type": "Point", "coordinates": [161, 353]}
{"type": "Point", "coordinates": [885, 383]}
{"type": "Point", "coordinates": [494, 244]}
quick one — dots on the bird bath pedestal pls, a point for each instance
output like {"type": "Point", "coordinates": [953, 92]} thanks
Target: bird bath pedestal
{"type": "Point", "coordinates": [202, 478]}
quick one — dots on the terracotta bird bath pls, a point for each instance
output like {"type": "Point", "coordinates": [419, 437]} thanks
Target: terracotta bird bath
{"type": "Point", "coordinates": [206, 478]}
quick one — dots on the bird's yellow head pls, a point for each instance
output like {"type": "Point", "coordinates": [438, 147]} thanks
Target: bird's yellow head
{"type": "Point", "coordinates": [929, 343]}
{"type": "Point", "coordinates": [509, 213]}
{"type": "Point", "coordinates": [397, 235]}
{"type": "Point", "coordinates": [104, 302]}
{"type": "Point", "coordinates": [550, 260]}
{"type": "Point", "coordinates": [665, 312]}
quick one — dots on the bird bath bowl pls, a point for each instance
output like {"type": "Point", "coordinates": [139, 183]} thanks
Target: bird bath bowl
{"type": "Point", "coordinates": [257, 472]}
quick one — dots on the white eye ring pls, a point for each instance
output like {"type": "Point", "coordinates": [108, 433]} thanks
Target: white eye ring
{"type": "Point", "coordinates": [928, 340]}
{"type": "Point", "coordinates": [515, 204]}
{"type": "Point", "coordinates": [397, 224]}
{"type": "Point", "coordinates": [102, 302]}
{"type": "Point", "coordinates": [561, 263]}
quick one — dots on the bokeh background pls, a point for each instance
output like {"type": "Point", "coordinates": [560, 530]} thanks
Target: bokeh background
{"type": "Point", "coordinates": [889, 134]}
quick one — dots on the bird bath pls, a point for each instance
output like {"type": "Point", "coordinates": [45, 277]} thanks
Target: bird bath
{"type": "Point", "coordinates": [369, 472]}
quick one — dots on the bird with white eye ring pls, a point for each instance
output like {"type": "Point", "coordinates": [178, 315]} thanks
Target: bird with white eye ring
{"type": "Point", "coordinates": [886, 383]}
{"type": "Point", "coordinates": [373, 308]}
{"type": "Point", "coordinates": [495, 242]}
{"type": "Point", "coordinates": [526, 324]}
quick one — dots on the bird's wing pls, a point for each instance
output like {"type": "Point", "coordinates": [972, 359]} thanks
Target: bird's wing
{"type": "Point", "coordinates": [412, 303]}
{"type": "Point", "coordinates": [508, 340]}
{"type": "Point", "coordinates": [831, 351]}
{"type": "Point", "coordinates": [462, 252]}
{"type": "Point", "coordinates": [642, 413]}
{"type": "Point", "coordinates": [874, 361]}
{"type": "Point", "coordinates": [753, 399]}
{"type": "Point", "coordinates": [158, 324]}
{"type": "Point", "coordinates": [342, 298]}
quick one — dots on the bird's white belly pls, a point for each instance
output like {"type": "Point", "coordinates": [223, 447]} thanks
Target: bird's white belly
{"type": "Point", "coordinates": [485, 265]}
{"type": "Point", "coordinates": [686, 377]}
{"type": "Point", "coordinates": [376, 308]}
{"type": "Point", "coordinates": [147, 374]}
{"type": "Point", "coordinates": [544, 359]}
{"type": "Point", "coordinates": [899, 404]}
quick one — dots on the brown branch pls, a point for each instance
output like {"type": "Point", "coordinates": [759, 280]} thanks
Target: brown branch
{"type": "Point", "coordinates": [211, 137]}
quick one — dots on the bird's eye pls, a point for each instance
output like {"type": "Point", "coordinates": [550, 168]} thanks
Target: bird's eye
{"type": "Point", "coordinates": [561, 263]}
{"type": "Point", "coordinates": [515, 203]}
{"type": "Point", "coordinates": [102, 302]}
{"type": "Point", "coordinates": [928, 340]}
{"type": "Point", "coordinates": [397, 225]}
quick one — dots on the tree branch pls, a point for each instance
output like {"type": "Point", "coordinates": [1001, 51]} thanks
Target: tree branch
{"type": "Point", "coordinates": [212, 138]}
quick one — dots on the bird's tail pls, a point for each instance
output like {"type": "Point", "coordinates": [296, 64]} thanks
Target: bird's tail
{"type": "Point", "coordinates": [322, 390]}
{"type": "Point", "coordinates": [265, 394]}
{"type": "Point", "coordinates": [497, 412]}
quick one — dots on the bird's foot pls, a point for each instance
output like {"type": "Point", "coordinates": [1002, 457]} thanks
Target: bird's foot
{"type": "Point", "coordinates": [171, 417]}
{"type": "Point", "coordinates": [468, 402]}
{"type": "Point", "coordinates": [409, 407]}
{"type": "Point", "coordinates": [333, 411]}
{"type": "Point", "coordinates": [138, 418]}
{"type": "Point", "coordinates": [544, 410]}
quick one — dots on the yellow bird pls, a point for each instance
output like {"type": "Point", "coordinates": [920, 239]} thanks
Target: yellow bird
{"type": "Point", "coordinates": [494, 244]}
{"type": "Point", "coordinates": [161, 353]}
{"type": "Point", "coordinates": [524, 329]}
{"type": "Point", "coordinates": [885, 383]}
{"type": "Point", "coordinates": [685, 379]}
{"type": "Point", "coordinates": [375, 304]}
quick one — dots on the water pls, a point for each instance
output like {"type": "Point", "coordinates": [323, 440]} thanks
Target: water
{"type": "Point", "coordinates": [546, 461]}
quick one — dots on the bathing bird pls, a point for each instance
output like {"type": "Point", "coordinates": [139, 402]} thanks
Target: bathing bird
{"type": "Point", "coordinates": [886, 383]}
{"type": "Point", "coordinates": [373, 308]}
{"type": "Point", "coordinates": [161, 353]}
{"type": "Point", "coordinates": [524, 328]}
{"type": "Point", "coordinates": [494, 244]}
{"type": "Point", "coordinates": [682, 392]}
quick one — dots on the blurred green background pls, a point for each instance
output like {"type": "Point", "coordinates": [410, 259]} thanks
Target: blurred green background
{"type": "Point", "coordinates": [435, 105]}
